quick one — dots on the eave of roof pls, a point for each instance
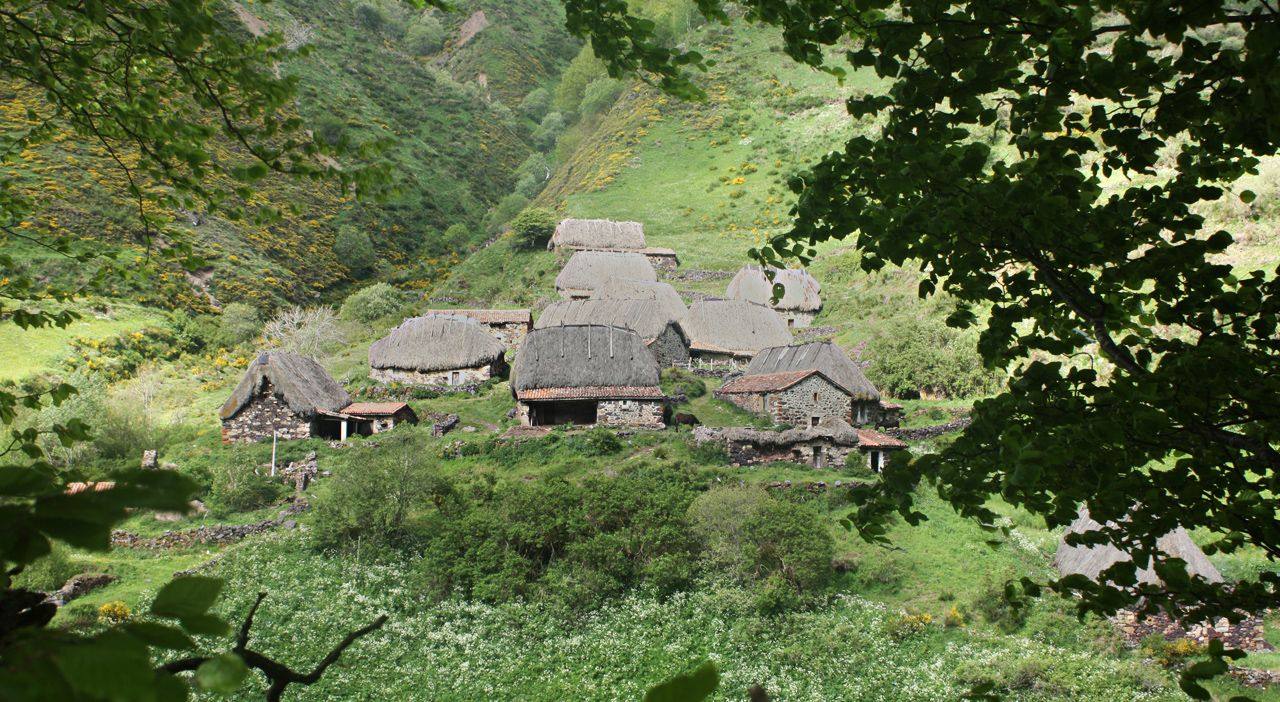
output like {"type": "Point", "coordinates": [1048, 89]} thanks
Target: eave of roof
{"type": "Point", "coordinates": [874, 439]}
{"type": "Point", "coordinates": [771, 382]}
{"type": "Point", "coordinates": [374, 408]}
{"type": "Point", "coordinates": [593, 392]}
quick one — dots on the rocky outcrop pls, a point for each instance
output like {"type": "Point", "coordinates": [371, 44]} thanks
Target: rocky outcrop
{"type": "Point", "coordinates": [79, 586]}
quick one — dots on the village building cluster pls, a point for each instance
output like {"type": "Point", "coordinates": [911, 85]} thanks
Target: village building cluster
{"type": "Point", "coordinates": [596, 356]}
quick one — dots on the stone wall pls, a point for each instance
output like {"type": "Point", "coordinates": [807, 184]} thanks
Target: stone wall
{"type": "Point", "coordinates": [811, 397]}
{"type": "Point", "coordinates": [751, 402]}
{"type": "Point", "coordinates": [919, 433]}
{"type": "Point", "coordinates": [663, 263]}
{"type": "Point", "coordinates": [630, 413]}
{"type": "Point", "coordinates": [469, 376]}
{"type": "Point", "coordinates": [742, 453]}
{"type": "Point", "coordinates": [1246, 634]}
{"type": "Point", "coordinates": [509, 333]}
{"type": "Point", "coordinates": [669, 348]}
{"type": "Point", "coordinates": [718, 361]}
{"type": "Point", "coordinates": [257, 419]}
{"type": "Point", "coordinates": [797, 319]}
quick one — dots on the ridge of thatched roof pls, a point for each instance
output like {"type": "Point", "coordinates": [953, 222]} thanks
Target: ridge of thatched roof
{"type": "Point", "coordinates": [823, 356]}
{"type": "Point", "coordinates": [1091, 561]}
{"type": "Point", "coordinates": [801, 291]}
{"type": "Point", "coordinates": [434, 343]}
{"type": "Point", "coordinates": [588, 270]}
{"type": "Point", "coordinates": [624, 289]}
{"type": "Point", "coordinates": [583, 356]}
{"type": "Point", "coordinates": [300, 382]}
{"type": "Point", "coordinates": [735, 327]}
{"type": "Point", "coordinates": [598, 234]}
{"type": "Point", "coordinates": [644, 317]}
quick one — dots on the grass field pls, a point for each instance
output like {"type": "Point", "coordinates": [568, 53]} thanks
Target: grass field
{"type": "Point", "coordinates": [30, 351]}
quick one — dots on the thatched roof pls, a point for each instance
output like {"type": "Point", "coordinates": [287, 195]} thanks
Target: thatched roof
{"type": "Point", "coordinates": [663, 293]}
{"type": "Point", "coordinates": [597, 234]}
{"type": "Point", "coordinates": [801, 291]}
{"type": "Point", "coordinates": [644, 317]}
{"type": "Point", "coordinates": [588, 270]}
{"type": "Point", "coordinates": [299, 381]}
{"type": "Point", "coordinates": [436, 343]}
{"type": "Point", "coordinates": [823, 356]}
{"type": "Point", "coordinates": [832, 429]}
{"type": "Point", "coordinates": [584, 356]}
{"type": "Point", "coordinates": [735, 327]}
{"type": "Point", "coordinates": [485, 316]}
{"type": "Point", "coordinates": [1090, 561]}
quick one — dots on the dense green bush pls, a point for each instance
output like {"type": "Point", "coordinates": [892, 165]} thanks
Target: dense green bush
{"type": "Point", "coordinates": [533, 227]}
{"type": "Point", "coordinates": [581, 72]}
{"type": "Point", "coordinates": [544, 137]}
{"type": "Point", "coordinates": [368, 305]}
{"type": "Point", "coordinates": [677, 381]}
{"type": "Point", "coordinates": [370, 16]}
{"type": "Point", "coordinates": [501, 213]}
{"type": "Point", "coordinates": [536, 104]}
{"type": "Point", "coordinates": [238, 323]}
{"type": "Point", "coordinates": [354, 249]}
{"type": "Point", "coordinates": [996, 607]}
{"type": "Point", "coordinates": [921, 355]}
{"type": "Point", "coordinates": [599, 95]}
{"type": "Point", "coordinates": [371, 503]}
{"type": "Point", "coordinates": [425, 36]}
{"type": "Point", "coordinates": [241, 486]}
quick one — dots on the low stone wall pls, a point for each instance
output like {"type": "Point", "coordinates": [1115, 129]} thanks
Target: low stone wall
{"type": "Point", "coordinates": [79, 586]}
{"type": "Point", "coordinates": [918, 433]}
{"type": "Point", "coordinates": [630, 413]}
{"type": "Point", "coordinates": [1246, 635]}
{"type": "Point", "coordinates": [663, 263]}
{"type": "Point", "coordinates": [216, 535]}
{"type": "Point", "coordinates": [695, 275]}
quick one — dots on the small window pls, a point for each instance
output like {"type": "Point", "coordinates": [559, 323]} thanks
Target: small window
{"type": "Point", "coordinates": [813, 421]}
{"type": "Point", "coordinates": [815, 396]}
{"type": "Point", "coordinates": [791, 322]}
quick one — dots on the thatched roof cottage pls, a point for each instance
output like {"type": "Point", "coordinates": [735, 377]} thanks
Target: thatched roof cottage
{"type": "Point", "coordinates": [608, 235]}
{"type": "Point", "coordinates": [587, 374]}
{"type": "Point", "coordinates": [801, 298]}
{"type": "Point", "coordinates": [285, 395]}
{"type": "Point", "coordinates": [1091, 561]}
{"type": "Point", "coordinates": [588, 270]}
{"type": "Point", "coordinates": [827, 444]}
{"type": "Point", "coordinates": [662, 293]}
{"type": "Point", "coordinates": [732, 331]}
{"type": "Point", "coordinates": [660, 330]}
{"type": "Point", "coordinates": [803, 384]}
{"type": "Point", "coordinates": [509, 326]}
{"type": "Point", "coordinates": [437, 350]}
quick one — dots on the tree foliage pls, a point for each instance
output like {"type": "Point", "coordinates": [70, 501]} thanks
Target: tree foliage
{"type": "Point", "coordinates": [1015, 166]}
{"type": "Point", "coordinates": [533, 227]}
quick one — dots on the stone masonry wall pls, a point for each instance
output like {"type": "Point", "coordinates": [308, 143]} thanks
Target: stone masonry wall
{"type": "Point", "coordinates": [669, 348]}
{"type": "Point", "coordinates": [796, 405]}
{"type": "Point", "coordinates": [750, 402]}
{"type": "Point", "coordinates": [509, 334]}
{"type": "Point", "coordinates": [743, 453]}
{"type": "Point", "coordinates": [630, 413]}
{"type": "Point", "coordinates": [797, 319]}
{"type": "Point", "coordinates": [257, 419]}
{"type": "Point", "coordinates": [664, 263]}
{"type": "Point", "coordinates": [470, 376]}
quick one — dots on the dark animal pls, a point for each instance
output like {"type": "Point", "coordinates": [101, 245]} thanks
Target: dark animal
{"type": "Point", "coordinates": [686, 419]}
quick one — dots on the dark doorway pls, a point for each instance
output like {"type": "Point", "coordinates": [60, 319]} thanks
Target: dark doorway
{"type": "Point", "coordinates": [566, 412]}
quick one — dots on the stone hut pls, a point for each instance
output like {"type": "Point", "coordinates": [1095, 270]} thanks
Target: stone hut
{"type": "Point", "coordinates": [1091, 561]}
{"type": "Point", "coordinates": [732, 332]}
{"type": "Point", "coordinates": [829, 444]}
{"type": "Point", "coordinates": [661, 331]}
{"type": "Point", "coordinates": [662, 293]}
{"type": "Point", "coordinates": [437, 350]}
{"type": "Point", "coordinates": [509, 326]}
{"type": "Point", "coordinates": [587, 374]}
{"type": "Point", "coordinates": [588, 270]}
{"type": "Point", "coordinates": [801, 297]}
{"type": "Point", "coordinates": [779, 382]}
{"type": "Point", "coordinates": [607, 235]}
{"type": "Point", "coordinates": [377, 417]}
{"type": "Point", "coordinates": [285, 395]}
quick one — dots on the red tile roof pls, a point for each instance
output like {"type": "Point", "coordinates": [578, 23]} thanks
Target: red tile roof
{"type": "Point", "coordinates": [491, 316]}
{"type": "Point", "coordinates": [593, 392]}
{"type": "Point", "coordinates": [100, 486]}
{"type": "Point", "coordinates": [874, 439]}
{"type": "Point", "coordinates": [767, 382]}
{"type": "Point", "coordinates": [374, 408]}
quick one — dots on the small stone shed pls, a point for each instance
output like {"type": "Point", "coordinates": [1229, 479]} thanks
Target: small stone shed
{"type": "Point", "coordinates": [661, 332]}
{"type": "Point", "coordinates": [285, 395]}
{"type": "Point", "coordinates": [829, 444]}
{"type": "Point", "coordinates": [608, 235]}
{"type": "Point", "coordinates": [1091, 561]}
{"type": "Point", "coordinates": [801, 298]}
{"type": "Point", "coordinates": [770, 385]}
{"type": "Point", "coordinates": [509, 326]}
{"type": "Point", "coordinates": [437, 350]}
{"type": "Point", "coordinates": [662, 293]}
{"type": "Point", "coordinates": [377, 417]}
{"type": "Point", "coordinates": [588, 270]}
{"type": "Point", "coordinates": [587, 374]}
{"type": "Point", "coordinates": [732, 332]}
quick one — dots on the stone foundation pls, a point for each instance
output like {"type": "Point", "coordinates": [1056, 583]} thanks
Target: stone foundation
{"type": "Point", "coordinates": [797, 319]}
{"type": "Point", "coordinates": [663, 262]}
{"type": "Point", "coordinates": [263, 415]}
{"type": "Point", "coordinates": [630, 413]}
{"type": "Point", "coordinates": [445, 378]}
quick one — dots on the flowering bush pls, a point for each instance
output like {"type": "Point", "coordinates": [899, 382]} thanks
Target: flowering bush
{"type": "Point", "coordinates": [114, 612]}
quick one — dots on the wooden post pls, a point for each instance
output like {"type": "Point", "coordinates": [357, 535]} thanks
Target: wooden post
{"type": "Point", "coordinates": [275, 435]}
{"type": "Point", "coordinates": [342, 433]}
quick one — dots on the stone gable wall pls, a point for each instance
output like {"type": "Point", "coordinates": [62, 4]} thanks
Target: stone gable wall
{"type": "Point", "coordinates": [797, 319]}
{"type": "Point", "coordinates": [257, 419]}
{"type": "Point", "coordinates": [470, 376]}
{"type": "Point", "coordinates": [630, 413]}
{"type": "Point", "coordinates": [669, 348]}
{"type": "Point", "coordinates": [663, 263]}
{"type": "Point", "coordinates": [796, 405]}
{"type": "Point", "coordinates": [751, 402]}
{"type": "Point", "coordinates": [509, 333]}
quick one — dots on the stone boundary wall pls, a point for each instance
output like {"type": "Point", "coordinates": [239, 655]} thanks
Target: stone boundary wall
{"type": "Point", "coordinates": [217, 535]}
{"type": "Point", "coordinates": [1247, 634]}
{"type": "Point", "coordinates": [918, 433]}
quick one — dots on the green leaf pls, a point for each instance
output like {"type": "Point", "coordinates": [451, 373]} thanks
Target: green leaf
{"type": "Point", "coordinates": [187, 597]}
{"type": "Point", "coordinates": [693, 686]}
{"type": "Point", "coordinates": [222, 673]}
{"type": "Point", "coordinates": [160, 635]}
{"type": "Point", "coordinates": [113, 666]}
{"type": "Point", "coordinates": [1247, 196]}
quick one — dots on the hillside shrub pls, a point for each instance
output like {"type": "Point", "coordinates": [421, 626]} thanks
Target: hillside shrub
{"type": "Point", "coordinates": [241, 486]}
{"type": "Point", "coordinates": [49, 572]}
{"type": "Point", "coordinates": [581, 72]}
{"type": "Point", "coordinates": [368, 305]}
{"type": "Point", "coordinates": [532, 228]}
{"type": "Point", "coordinates": [371, 502]}
{"type": "Point", "coordinates": [354, 249]}
{"type": "Point", "coordinates": [921, 355]}
{"type": "Point", "coordinates": [502, 213]}
{"type": "Point", "coordinates": [599, 95]}
{"type": "Point", "coordinates": [994, 605]}
{"type": "Point", "coordinates": [536, 104]}
{"type": "Point", "coordinates": [457, 236]}
{"type": "Point", "coordinates": [544, 137]}
{"type": "Point", "coordinates": [370, 16]}
{"type": "Point", "coordinates": [237, 324]}
{"type": "Point", "coordinates": [425, 36]}
{"type": "Point", "coordinates": [677, 381]}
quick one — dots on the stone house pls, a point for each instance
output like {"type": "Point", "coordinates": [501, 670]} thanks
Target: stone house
{"type": "Point", "coordinates": [828, 444]}
{"type": "Point", "coordinates": [284, 395]}
{"type": "Point", "coordinates": [661, 332]}
{"type": "Point", "coordinates": [588, 270]}
{"type": "Point", "coordinates": [509, 326]}
{"type": "Point", "coordinates": [801, 298]}
{"type": "Point", "coordinates": [607, 235]}
{"type": "Point", "coordinates": [662, 293]}
{"type": "Point", "coordinates": [775, 367]}
{"type": "Point", "coordinates": [587, 374]}
{"type": "Point", "coordinates": [377, 417]}
{"type": "Point", "coordinates": [438, 351]}
{"type": "Point", "coordinates": [732, 332]}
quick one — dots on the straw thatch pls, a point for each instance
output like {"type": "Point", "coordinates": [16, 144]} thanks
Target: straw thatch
{"type": "Point", "coordinates": [299, 381]}
{"type": "Point", "coordinates": [662, 293]}
{"type": "Point", "coordinates": [436, 342]}
{"type": "Point", "coordinates": [832, 429]}
{"type": "Point", "coordinates": [580, 356]}
{"type": "Point", "coordinates": [822, 356]}
{"type": "Point", "coordinates": [734, 327]}
{"type": "Point", "coordinates": [801, 291]}
{"type": "Point", "coordinates": [597, 234]}
{"type": "Point", "coordinates": [644, 317]}
{"type": "Point", "coordinates": [588, 270]}
{"type": "Point", "coordinates": [1091, 561]}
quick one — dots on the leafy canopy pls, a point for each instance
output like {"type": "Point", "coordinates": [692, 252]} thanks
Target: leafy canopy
{"type": "Point", "coordinates": [1016, 167]}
